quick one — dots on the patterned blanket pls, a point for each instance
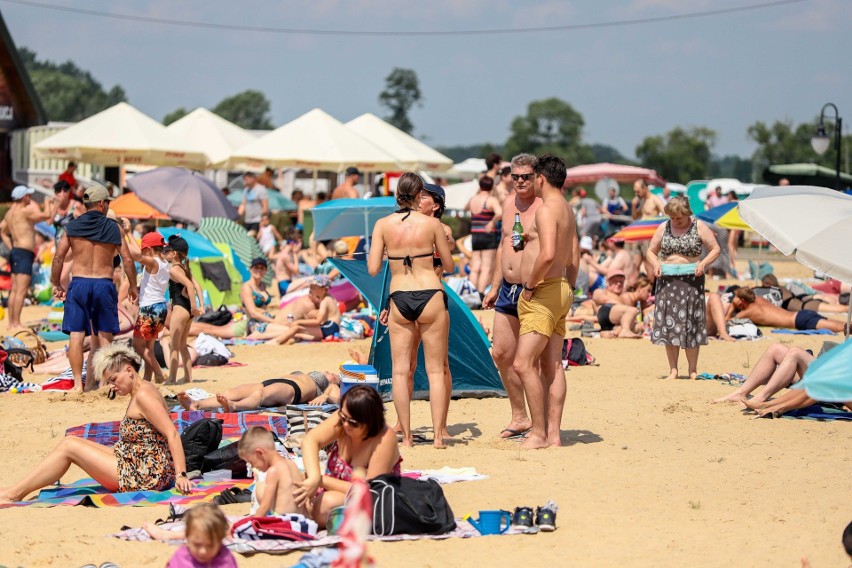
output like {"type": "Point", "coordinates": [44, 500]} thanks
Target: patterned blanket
{"type": "Point", "coordinates": [89, 493]}
{"type": "Point", "coordinates": [233, 425]}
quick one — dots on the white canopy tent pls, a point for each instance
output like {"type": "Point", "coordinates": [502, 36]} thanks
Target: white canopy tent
{"type": "Point", "coordinates": [316, 141]}
{"type": "Point", "coordinates": [459, 194]}
{"type": "Point", "coordinates": [467, 169]}
{"type": "Point", "coordinates": [218, 137]}
{"type": "Point", "coordinates": [118, 136]}
{"type": "Point", "coordinates": [410, 153]}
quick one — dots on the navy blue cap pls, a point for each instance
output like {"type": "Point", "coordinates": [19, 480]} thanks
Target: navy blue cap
{"type": "Point", "coordinates": [436, 190]}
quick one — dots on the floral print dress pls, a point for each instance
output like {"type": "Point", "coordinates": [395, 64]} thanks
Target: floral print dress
{"type": "Point", "coordinates": [144, 460]}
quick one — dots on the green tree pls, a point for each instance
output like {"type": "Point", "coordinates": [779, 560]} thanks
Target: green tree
{"type": "Point", "coordinates": [551, 126]}
{"type": "Point", "coordinates": [67, 92]}
{"type": "Point", "coordinates": [731, 166]}
{"type": "Point", "coordinates": [401, 94]}
{"type": "Point", "coordinates": [680, 155]}
{"type": "Point", "coordinates": [785, 143]}
{"type": "Point", "coordinates": [249, 109]}
{"type": "Point", "coordinates": [175, 115]}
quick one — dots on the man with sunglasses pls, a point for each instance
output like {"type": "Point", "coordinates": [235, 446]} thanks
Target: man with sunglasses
{"type": "Point", "coordinates": [18, 233]}
{"type": "Point", "coordinates": [506, 288]}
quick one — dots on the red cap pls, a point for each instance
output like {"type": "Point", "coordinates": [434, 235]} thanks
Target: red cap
{"type": "Point", "coordinates": [153, 239]}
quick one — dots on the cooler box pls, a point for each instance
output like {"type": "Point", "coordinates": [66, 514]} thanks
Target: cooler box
{"type": "Point", "coordinates": [352, 375]}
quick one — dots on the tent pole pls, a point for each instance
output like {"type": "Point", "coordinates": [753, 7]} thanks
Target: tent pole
{"type": "Point", "coordinates": [315, 183]}
{"type": "Point", "coordinates": [848, 320]}
{"type": "Point", "coordinates": [367, 233]}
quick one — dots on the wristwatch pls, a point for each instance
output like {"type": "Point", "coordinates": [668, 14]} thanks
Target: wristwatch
{"type": "Point", "coordinates": [182, 474]}
{"type": "Point", "coordinates": [529, 289]}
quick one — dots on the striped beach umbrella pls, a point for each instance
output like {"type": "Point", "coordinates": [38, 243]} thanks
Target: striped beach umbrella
{"type": "Point", "coordinates": [726, 216]}
{"type": "Point", "coordinates": [641, 230]}
{"type": "Point", "coordinates": [219, 230]}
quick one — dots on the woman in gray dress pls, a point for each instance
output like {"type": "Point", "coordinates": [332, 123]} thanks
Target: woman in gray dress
{"type": "Point", "coordinates": [674, 253]}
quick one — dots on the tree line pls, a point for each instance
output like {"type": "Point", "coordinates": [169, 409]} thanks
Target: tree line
{"type": "Point", "coordinates": [551, 125]}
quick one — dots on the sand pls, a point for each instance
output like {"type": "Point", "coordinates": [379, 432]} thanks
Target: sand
{"type": "Point", "coordinates": [651, 473]}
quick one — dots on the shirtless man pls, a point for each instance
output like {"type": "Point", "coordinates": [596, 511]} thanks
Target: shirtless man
{"type": "Point", "coordinates": [621, 261]}
{"type": "Point", "coordinates": [616, 318]}
{"type": "Point", "coordinates": [506, 289]}
{"type": "Point", "coordinates": [646, 205]}
{"type": "Point", "coordinates": [763, 312]}
{"type": "Point", "coordinates": [287, 261]}
{"type": "Point", "coordinates": [91, 303]}
{"type": "Point", "coordinates": [548, 271]}
{"type": "Point", "coordinates": [316, 313]}
{"type": "Point", "coordinates": [18, 232]}
{"type": "Point", "coordinates": [503, 187]}
{"type": "Point", "coordinates": [346, 190]}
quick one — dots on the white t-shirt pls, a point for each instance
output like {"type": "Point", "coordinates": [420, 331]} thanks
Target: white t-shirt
{"type": "Point", "coordinates": [253, 197]}
{"type": "Point", "coordinates": [153, 288]}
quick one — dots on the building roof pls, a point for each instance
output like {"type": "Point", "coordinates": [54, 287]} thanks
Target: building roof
{"type": "Point", "coordinates": [28, 109]}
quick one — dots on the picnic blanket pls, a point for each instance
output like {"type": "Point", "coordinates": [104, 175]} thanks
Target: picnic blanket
{"type": "Point", "coordinates": [248, 547]}
{"type": "Point", "coordinates": [803, 331]}
{"type": "Point", "coordinates": [820, 411]}
{"type": "Point", "coordinates": [89, 493]}
{"type": "Point", "coordinates": [233, 425]}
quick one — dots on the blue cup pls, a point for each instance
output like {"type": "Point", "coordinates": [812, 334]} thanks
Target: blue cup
{"type": "Point", "coordinates": [490, 522]}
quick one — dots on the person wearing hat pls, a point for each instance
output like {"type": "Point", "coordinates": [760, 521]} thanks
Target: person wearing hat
{"type": "Point", "coordinates": [616, 318]}
{"type": "Point", "coordinates": [186, 297]}
{"type": "Point", "coordinates": [317, 314]}
{"type": "Point", "coordinates": [153, 307]}
{"type": "Point", "coordinates": [18, 233]}
{"type": "Point", "coordinates": [91, 301]}
{"type": "Point", "coordinates": [347, 190]}
{"type": "Point", "coordinates": [255, 202]}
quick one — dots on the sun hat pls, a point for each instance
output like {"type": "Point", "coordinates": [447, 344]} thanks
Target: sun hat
{"type": "Point", "coordinates": [96, 193]}
{"type": "Point", "coordinates": [153, 239]}
{"type": "Point", "coordinates": [19, 192]}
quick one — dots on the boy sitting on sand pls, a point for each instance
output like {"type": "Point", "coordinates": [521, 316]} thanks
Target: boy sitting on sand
{"type": "Point", "coordinates": [275, 496]}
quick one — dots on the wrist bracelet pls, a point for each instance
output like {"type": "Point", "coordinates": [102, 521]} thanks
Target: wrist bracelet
{"type": "Point", "coordinates": [529, 289]}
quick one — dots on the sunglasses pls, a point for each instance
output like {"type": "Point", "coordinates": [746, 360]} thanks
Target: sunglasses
{"type": "Point", "coordinates": [525, 177]}
{"type": "Point", "coordinates": [58, 191]}
{"type": "Point", "coordinates": [347, 420]}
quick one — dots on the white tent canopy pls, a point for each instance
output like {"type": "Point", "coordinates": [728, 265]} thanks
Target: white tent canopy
{"type": "Point", "coordinates": [468, 168]}
{"type": "Point", "coordinates": [119, 136]}
{"type": "Point", "coordinates": [459, 194]}
{"type": "Point", "coordinates": [410, 153]}
{"type": "Point", "coordinates": [317, 141]}
{"type": "Point", "coordinates": [218, 137]}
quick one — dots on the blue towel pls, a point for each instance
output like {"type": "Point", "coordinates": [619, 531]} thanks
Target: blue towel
{"type": "Point", "coordinates": [804, 331]}
{"type": "Point", "coordinates": [820, 412]}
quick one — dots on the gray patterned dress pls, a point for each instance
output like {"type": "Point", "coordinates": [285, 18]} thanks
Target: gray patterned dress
{"type": "Point", "coordinates": [679, 313]}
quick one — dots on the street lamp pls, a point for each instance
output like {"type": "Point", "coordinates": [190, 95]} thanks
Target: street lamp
{"type": "Point", "coordinates": [820, 141]}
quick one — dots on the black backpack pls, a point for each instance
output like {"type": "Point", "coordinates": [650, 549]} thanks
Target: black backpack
{"type": "Point", "coordinates": [228, 458]}
{"type": "Point", "coordinates": [574, 353]}
{"type": "Point", "coordinates": [409, 506]}
{"type": "Point", "coordinates": [202, 437]}
{"type": "Point", "coordinates": [222, 316]}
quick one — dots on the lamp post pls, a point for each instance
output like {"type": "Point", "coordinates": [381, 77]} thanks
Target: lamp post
{"type": "Point", "coordinates": [820, 140]}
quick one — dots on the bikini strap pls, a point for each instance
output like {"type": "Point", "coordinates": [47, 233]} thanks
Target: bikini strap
{"type": "Point", "coordinates": [407, 211]}
{"type": "Point", "coordinates": [406, 260]}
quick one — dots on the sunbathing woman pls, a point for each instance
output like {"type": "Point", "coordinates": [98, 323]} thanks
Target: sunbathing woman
{"type": "Point", "coordinates": [296, 388]}
{"type": "Point", "coordinates": [794, 399]}
{"type": "Point", "coordinates": [798, 302]}
{"type": "Point", "coordinates": [358, 436]}
{"type": "Point", "coordinates": [148, 454]}
{"type": "Point", "coordinates": [417, 299]}
{"type": "Point", "coordinates": [778, 368]}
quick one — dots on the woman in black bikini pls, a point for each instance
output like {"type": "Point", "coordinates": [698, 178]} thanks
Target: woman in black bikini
{"type": "Point", "coordinates": [418, 300]}
{"type": "Point", "coordinates": [295, 388]}
{"type": "Point", "coordinates": [185, 296]}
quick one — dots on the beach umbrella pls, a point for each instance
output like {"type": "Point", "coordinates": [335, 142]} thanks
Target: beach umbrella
{"type": "Point", "coordinates": [827, 377]}
{"type": "Point", "coordinates": [805, 174]}
{"type": "Point", "coordinates": [317, 141]}
{"type": "Point", "coordinates": [642, 230]}
{"type": "Point", "coordinates": [182, 194]}
{"type": "Point", "coordinates": [815, 223]}
{"type": "Point", "coordinates": [217, 137]}
{"type": "Point", "coordinates": [410, 153]}
{"type": "Point", "coordinates": [726, 216]}
{"type": "Point", "coordinates": [199, 246]}
{"type": "Point", "coordinates": [590, 173]}
{"type": "Point", "coordinates": [277, 201]}
{"type": "Point", "coordinates": [458, 194]}
{"type": "Point", "coordinates": [129, 205]}
{"type": "Point", "coordinates": [218, 230]}
{"type": "Point", "coordinates": [350, 217]}
{"type": "Point", "coordinates": [118, 136]}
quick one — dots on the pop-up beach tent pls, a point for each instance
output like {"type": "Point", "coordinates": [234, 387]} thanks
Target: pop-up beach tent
{"type": "Point", "coordinates": [473, 370]}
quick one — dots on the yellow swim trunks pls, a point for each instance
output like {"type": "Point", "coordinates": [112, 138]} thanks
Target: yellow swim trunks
{"type": "Point", "coordinates": [545, 312]}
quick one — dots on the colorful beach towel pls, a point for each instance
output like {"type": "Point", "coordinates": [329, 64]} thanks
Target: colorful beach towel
{"type": "Point", "coordinates": [233, 425]}
{"type": "Point", "coordinates": [803, 331]}
{"type": "Point", "coordinates": [89, 493]}
{"type": "Point", "coordinates": [821, 412]}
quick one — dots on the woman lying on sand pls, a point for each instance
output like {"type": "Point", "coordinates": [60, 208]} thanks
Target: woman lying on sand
{"type": "Point", "coordinates": [297, 388]}
{"type": "Point", "coordinates": [791, 400]}
{"type": "Point", "coordinates": [148, 455]}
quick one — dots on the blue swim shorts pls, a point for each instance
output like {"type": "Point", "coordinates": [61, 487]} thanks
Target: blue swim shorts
{"type": "Point", "coordinates": [807, 319]}
{"type": "Point", "coordinates": [507, 299]}
{"type": "Point", "coordinates": [91, 305]}
{"type": "Point", "coordinates": [21, 261]}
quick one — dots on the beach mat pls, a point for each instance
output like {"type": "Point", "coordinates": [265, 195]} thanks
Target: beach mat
{"type": "Point", "coordinates": [249, 547]}
{"type": "Point", "coordinates": [89, 493]}
{"type": "Point", "coordinates": [821, 412]}
{"type": "Point", "coordinates": [803, 331]}
{"type": "Point", "coordinates": [233, 425]}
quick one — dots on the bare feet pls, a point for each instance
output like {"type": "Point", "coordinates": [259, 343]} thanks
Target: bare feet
{"type": "Point", "coordinates": [224, 402]}
{"type": "Point", "coordinates": [672, 375]}
{"type": "Point", "coordinates": [754, 404]}
{"type": "Point", "coordinates": [407, 442]}
{"type": "Point", "coordinates": [735, 396]}
{"type": "Point", "coordinates": [628, 335]}
{"type": "Point", "coordinates": [534, 442]}
{"type": "Point", "coordinates": [358, 356]}
{"type": "Point", "coordinates": [439, 444]}
{"type": "Point", "coordinates": [557, 442]}
{"type": "Point", "coordinates": [693, 375]}
{"type": "Point", "coordinates": [186, 402]}
{"type": "Point", "coordinates": [5, 497]}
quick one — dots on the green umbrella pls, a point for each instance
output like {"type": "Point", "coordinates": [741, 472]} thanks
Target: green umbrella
{"type": "Point", "coordinates": [218, 230]}
{"type": "Point", "coordinates": [277, 202]}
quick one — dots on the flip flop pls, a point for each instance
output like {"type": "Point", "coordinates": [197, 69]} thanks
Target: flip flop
{"type": "Point", "coordinates": [514, 434]}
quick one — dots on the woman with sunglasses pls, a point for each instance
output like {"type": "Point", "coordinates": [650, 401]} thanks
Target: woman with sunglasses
{"type": "Point", "coordinates": [357, 437]}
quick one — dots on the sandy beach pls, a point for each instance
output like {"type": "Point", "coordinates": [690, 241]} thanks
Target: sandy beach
{"type": "Point", "coordinates": [651, 474]}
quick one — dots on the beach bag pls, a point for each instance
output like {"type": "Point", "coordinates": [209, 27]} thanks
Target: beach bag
{"type": "Point", "coordinates": [409, 506]}
{"type": "Point", "coordinates": [574, 353]}
{"type": "Point", "coordinates": [222, 316]}
{"type": "Point", "coordinates": [199, 439]}
{"type": "Point", "coordinates": [211, 360]}
{"type": "Point", "coordinates": [352, 329]}
{"type": "Point", "coordinates": [302, 418]}
{"type": "Point", "coordinates": [10, 369]}
{"type": "Point", "coordinates": [226, 457]}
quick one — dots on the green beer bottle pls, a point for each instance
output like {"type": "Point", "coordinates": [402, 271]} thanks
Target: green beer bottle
{"type": "Point", "coordinates": [518, 234]}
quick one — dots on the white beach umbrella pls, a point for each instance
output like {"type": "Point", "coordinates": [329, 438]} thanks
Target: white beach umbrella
{"type": "Point", "coordinates": [410, 153]}
{"type": "Point", "coordinates": [118, 136]}
{"type": "Point", "coordinates": [317, 141]}
{"type": "Point", "coordinates": [217, 137]}
{"type": "Point", "coordinates": [459, 194]}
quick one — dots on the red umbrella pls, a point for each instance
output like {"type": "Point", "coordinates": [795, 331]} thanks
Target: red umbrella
{"type": "Point", "coordinates": [591, 173]}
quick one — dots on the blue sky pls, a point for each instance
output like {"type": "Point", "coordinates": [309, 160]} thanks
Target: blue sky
{"type": "Point", "coordinates": [723, 72]}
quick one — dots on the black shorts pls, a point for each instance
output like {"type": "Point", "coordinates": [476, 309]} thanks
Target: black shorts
{"type": "Point", "coordinates": [21, 261]}
{"type": "Point", "coordinates": [603, 317]}
{"type": "Point", "coordinates": [485, 241]}
{"type": "Point", "coordinates": [252, 226]}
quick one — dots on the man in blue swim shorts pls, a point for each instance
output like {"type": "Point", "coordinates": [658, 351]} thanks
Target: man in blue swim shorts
{"type": "Point", "coordinates": [506, 289]}
{"type": "Point", "coordinates": [91, 302]}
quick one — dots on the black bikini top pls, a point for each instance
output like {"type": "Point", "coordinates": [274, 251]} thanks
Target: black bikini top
{"type": "Point", "coordinates": [406, 260]}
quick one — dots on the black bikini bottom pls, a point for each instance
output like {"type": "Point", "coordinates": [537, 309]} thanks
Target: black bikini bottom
{"type": "Point", "coordinates": [411, 303]}
{"type": "Point", "coordinates": [297, 396]}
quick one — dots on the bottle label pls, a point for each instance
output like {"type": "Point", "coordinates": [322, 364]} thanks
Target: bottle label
{"type": "Point", "coordinates": [517, 240]}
